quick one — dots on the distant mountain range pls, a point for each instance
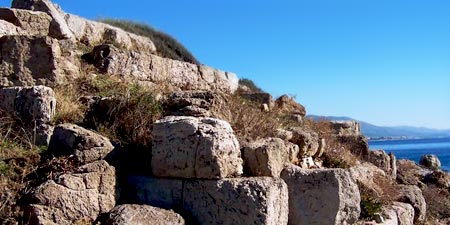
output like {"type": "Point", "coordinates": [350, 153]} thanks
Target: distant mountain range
{"type": "Point", "coordinates": [377, 132]}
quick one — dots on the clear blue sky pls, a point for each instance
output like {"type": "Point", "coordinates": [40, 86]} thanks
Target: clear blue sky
{"type": "Point", "coordinates": [382, 61]}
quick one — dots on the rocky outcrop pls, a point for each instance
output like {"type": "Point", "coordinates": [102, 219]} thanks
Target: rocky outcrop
{"type": "Point", "coordinates": [383, 161]}
{"type": "Point", "coordinates": [35, 106]}
{"type": "Point", "coordinates": [308, 142]}
{"type": "Point", "coordinates": [190, 147]}
{"type": "Point", "coordinates": [288, 105]}
{"type": "Point", "coordinates": [25, 22]}
{"type": "Point", "coordinates": [284, 134]}
{"type": "Point", "coordinates": [413, 196]}
{"type": "Point", "coordinates": [430, 162]}
{"type": "Point", "coordinates": [87, 146]}
{"type": "Point", "coordinates": [325, 196]}
{"type": "Point", "coordinates": [357, 144]}
{"type": "Point", "coordinates": [439, 178]}
{"type": "Point", "coordinates": [346, 128]}
{"type": "Point", "coordinates": [191, 103]}
{"type": "Point", "coordinates": [267, 157]}
{"type": "Point", "coordinates": [150, 69]}
{"type": "Point", "coordinates": [405, 213]}
{"type": "Point", "coordinates": [243, 201]}
{"type": "Point", "coordinates": [409, 173]}
{"type": "Point", "coordinates": [92, 33]}
{"type": "Point", "coordinates": [29, 60]}
{"type": "Point", "coordinates": [257, 200]}
{"type": "Point", "coordinates": [51, 59]}
{"type": "Point", "coordinates": [365, 174]}
{"type": "Point", "coordinates": [82, 195]}
{"type": "Point", "coordinates": [58, 27]}
{"type": "Point", "coordinates": [142, 215]}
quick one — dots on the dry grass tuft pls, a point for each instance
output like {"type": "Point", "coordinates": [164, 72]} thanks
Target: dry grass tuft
{"type": "Point", "coordinates": [246, 118]}
{"type": "Point", "coordinates": [337, 154]}
{"type": "Point", "coordinates": [18, 159]}
{"type": "Point", "coordinates": [438, 202]}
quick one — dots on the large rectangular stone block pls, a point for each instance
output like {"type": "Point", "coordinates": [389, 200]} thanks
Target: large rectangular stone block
{"type": "Point", "coordinates": [258, 200]}
{"type": "Point", "coordinates": [318, 197]}
{"type": "Point", "coordinates": [190, 147]}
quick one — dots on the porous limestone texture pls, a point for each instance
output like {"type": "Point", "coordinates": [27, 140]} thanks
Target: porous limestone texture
{"type": "Point", "coordinates": [35, 106]}
{"type": "Point", "coordinates": [413, 195]}
{"type": "Point", "coordinates": [191, 103]}
{"type": "Point", "coordinates": [267, 157]}
{"type": "Point", "coordinates": [191, 147]}
{"type": "Point", "coordinates": [237, 201]}
{"type": "Point", "coordinates": [25, 22]}
{"type": "Point", "coordinates": [28, 60]}
{"type": "Point", "coordinates": [131, 214]}
{"type": "Point", "coordinates": [431, 162]}
{"type": "Point", "coordinates": [82, 195]}
{"type": "Point", "coordinates": [87, 146]}
{"type": "Point", "coordinates": [323, 196]}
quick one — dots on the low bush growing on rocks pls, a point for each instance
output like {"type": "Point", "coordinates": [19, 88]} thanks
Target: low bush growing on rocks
{"type": "Point", "coordinates": [370, 205]}
{"type": "Point", "coordinates": [128, 119]}
{"type": "Point", "coordinates": [250, 84]}
{"type": "Point", "coordinates": [246, 117]}
{"type": "Point", "coordinates": [337, 154]}
{"type": "Point", "coordinates": [166, 46]}
{"type": "Point", "coordinates": [18, 159]}
{"type": "Point", "coordinates": [438, 202]}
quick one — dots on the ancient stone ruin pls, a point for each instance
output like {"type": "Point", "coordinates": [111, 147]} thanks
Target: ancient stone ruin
{"type": "Point", "coordinates": [198, 170]}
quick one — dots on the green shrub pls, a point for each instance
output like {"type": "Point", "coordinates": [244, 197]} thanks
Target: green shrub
{"type": "Point", "coordinates": [250, 84]}
{"type": "Point", "coordinates": [369, 206]}
{"type": "Point", "coordinates": [166, 46]}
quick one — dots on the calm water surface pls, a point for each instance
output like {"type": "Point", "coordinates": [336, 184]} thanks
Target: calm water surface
{"type": "Point", "coordinates": [415, 148]}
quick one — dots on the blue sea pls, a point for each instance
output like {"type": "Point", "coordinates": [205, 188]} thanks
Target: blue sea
{"type": "Point", "coordinates": [413, 149]}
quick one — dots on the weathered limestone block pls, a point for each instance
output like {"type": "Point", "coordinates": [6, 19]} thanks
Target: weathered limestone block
{"type": "Point", "coordinates": [87, 146]}
{"type": "Point", "coordinates": [409, 173]}
{"type": "Point", "coordinates": [346, 127]}
{"type": "Point", "coordinates": [388, 216]}
{"type": "Point", "coordinates": [260, 200]}
{"type": "Point", "coordinates": [150, 69]}
{"type": "Point", "coordinates": [413, 195]}
{"type": "Point", "coordinates": [284, 134]}
{"type": "Point", "coordinates": [58, 26]}
{"type": "Point", "coordinates": [7, 28]}
{"type": "Point", "coordinates": [190, 147]}
{"type": "Point", "coordinates": [215, 79]}
{"type": "Point", "coordinates": [430, 162]}
{"type": "Point", "coordinates": [29, 22]}
{"type": "Point", "coordinates": [267, 157]}
{"type": "Point", "coordinates": [93, 33]}
{"type": "Point", "coordinates": [35, 106]}
{"type": "Point", "coordinates": [289, 105]}
{"type": "Point", "coordinates": [357, 144]}
{"type": "Point", "coordinates": [383, 161]}
{"type": "Point", "coordinates": [191, 103]}
{"type": "Point", "coordinates": [439, 178]}
{"type": "Point", "coordinates": [162, 193]}
{"type": "Point", "coordinates": [307, 141]}
{"type": "Point", "coordinates": [365, 175]}
{"type": "Point", "coordinates": [325, 196]}
{"type": "Point", "coordinates": [405, 213]}
{"type": "Point", "coordinates": [322, 147]}
{"type": "Point", "coordinates": [143, 215]}
{"type": "Point", "coordinates": [29, 60]}
{"type": "Point", "coordinates": [83, 194]}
